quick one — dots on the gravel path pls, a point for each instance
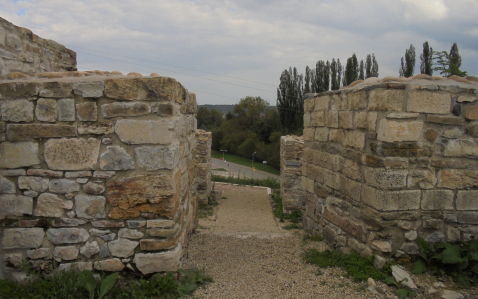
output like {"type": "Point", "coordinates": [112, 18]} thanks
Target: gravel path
{"type": "Point", "coordinates": [249, 256]}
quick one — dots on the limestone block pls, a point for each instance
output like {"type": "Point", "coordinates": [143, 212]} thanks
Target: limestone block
{"type": "Point", "coordinates": [103, 174]}
{"type": "Point", "coordinates": [391, 131]}
{"type": "Point", "coordinates": [317, 119]}
{"type": "Point", "coordinates": [130, 233]}
{"type": "Point", "coordinates": [386, 99]}
{"type": "Point", "coordinates": [163, 232]}
{"type": "Point", "coordinates": [72, 154]}
{"type": "Point", "coordinates": [360, 119]}
{"type": "Point", "coordinates": [332, 119]}
{"type": "Point", "coordinates": [131, 196]}
{"type": "Point", "coordinates": [77, 267]}
{"type": "Point", "coordinates": [372, 121]}
{"type": "Point", "coordinates": [67, 222]}
{"type": "Point", "coordinates": [391, 200]}
{"type": "Point", "coordinates": [471, 113]}
{"type": "Point", "coordinates": [12, 172]}
{"type": "Point", "coordinates": [159, 262]}
{"type": "Point", "coordinates": [429, 102]}
{"type": "Point", "coordinates": [105, 223]}
{"type": "Point", "coordinates": [63, 186]}
{"type": "Point", "coordinates": [67, 235]}
{"type": "Point", "coordinates": [457, 178]}
{"type": "Point", "coordinates": [45, 172]}
{"type": "Point", "coordinates": [87, 111]}
{"type": "Point", "coordinates": [355, 140]}
{"type": "Point", "coordinates": [307, 119]}
{"type": "Point", "coordinates": [467, 200]}
{"type": "Point", "coordinates": [321, 134]}
{"type": "Point", "coordinates": [46, 110]}
{"type": "Point", "coordinates": [32, 131]}
{"type": "Point", "coordinates": [6, 186]}
{"type": "Point", "coordinates": [446, 120]}
{"type": "Point", "coordinates": [38, 184]}
{"type": "Point", "coordinates": [386, 178]}
{"type": "Point", "coordinates": [359, 247]}
{"type": "Point", "coordinates": [422, 178]}
{"type": "Point", "coordinates": [437, 200]}
{"type": "Point", "coordinates": [350, 188]}
{"type": "Point", "coordinates": [160, 223]}
{"type": "Point", "coordinates": [466, 99]}
{"type": "Point", "coordinates": [50, 205]}
{"type": "Point", "coordinates": [309, 105]}
{"type": "Point", "coordinates": [321, 103]}
{"type": "Point", "coordinates": [19, 90]}
{"type": "Point", "coordinates": [468, 218]}
{"type": "Point", "coordinates": [66, 109]}
{"type": "Point", "coordinates": [346, 119]}
{"type": "Point", "coordinates": [90, 249]}
{"type": "Point", "coordinates": [89, 89]}
{"type": "Point", "coordinates": [461, 148]}
{"type": "Point", "coordinates": [309, 134]}
{"type": "Point", "coordinates": [154, 158]}
{"type": "Point", "coordinates": [18, 154]}
{"type": "Point", "coordinates": [136, 223]}
{"type": "Point", "coordinates": [353, 170]}
{"type": "Point", "coordinates": [357, 100]}
{"type": "Point", "coordinates": [452, 234]}
{"type": "Point", "coordinates": [77, 174]}
{"type": "Point", "coordinates": [124, 109]}
{"type": "Point", "coordinates": [109, 265]}
{"type": "Point", "coordinates": [144, 131]}
{"type": "Point", "coordinates": [40, 253]}
{"type": "Point", "coordinates": [155, 244]}
{"type": "Point", "coordinates": [383, 246]}
{"type": "Point", "coordinates": [93, 188]}
{"type": "Point", "coordinates": [116, 158]}
{"type": "Point", "coordinates": [87, 206]}
{"type": "Point", "coordinates": [452, 134]}
{"type": "Point", "coordinates": [122, 247]}
{"type": "Point", "coordinates": [27, 238]}
{"type": "Point", "coordinates": [17, 111]}
{"type": "Point", "coordinates": [65, 253]}
{"type": "Point", "coordinates": [15, 205]}
{"type": "Point", "coordinates": [97, 128]}
{"type": "Point", "coordinates": [55, 90]}
{"type": "Point", "coordinates": [472, 130]}
{"type": "Point", "coordinates": [402, 115]}
{"type": "Point", "coordinates": [338, 102]}
{"type": "Point", "coordinates": [410, 248]}
{"type": "Point", "coordinates": [411, 235]}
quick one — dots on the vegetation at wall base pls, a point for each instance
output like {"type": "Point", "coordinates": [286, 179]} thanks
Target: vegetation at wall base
{"type": "Point", "coordinates": [245, 162]}
{"type": "Point", "coordinates": [207, 210]}
{"type": "Point", "coordinates": [360, 268]}
{"type": "Point", "coordinates": [72, 285]}
{"type": "Point", "coordinates": [311, 237]}
{"type": "Point", "coordinates": [267, 182]}
{"type": "Point", "coordinates": [460, 261]}
{"type": "Point", "coordinates": [292, 226]}
{"type": "Point", "coordinates": [294, 217]}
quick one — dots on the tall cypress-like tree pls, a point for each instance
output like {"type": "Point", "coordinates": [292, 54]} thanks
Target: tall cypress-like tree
{"type": "Point", "coordinates": [351, 70]}
{"type": "Point", "coordinates": [340, 72]}
{"type": "Point", "coordinates": [368, 66]}
{"type": "Point", "coordinates": [307, 88]}
{"type": "Point", "coordinates": [426, 66]}
{"type": "Point", "coordinates": [408, 63]}
{"type": "Point", "coordinates": [361, 71]}
{"type": "Point", "coordinates": [334, 75]}
{"type": "Point", "coordinates": [322, 78]}
{"type": "Point", "coordinates": [290, 100]}
{"type": "Point", "coordinates": [374, 67]}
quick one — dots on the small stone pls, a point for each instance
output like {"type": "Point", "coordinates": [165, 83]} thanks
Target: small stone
{"type": "Point", "coordinates": [108, 237]}
{"type": "Point", "coordinates": [63, 186]}
{"type": "Point", "coordinates": [15, 205]}
{"type": "Point", "coordinates": [17, 111]}
{"type": "Point", "coordinates": [98, 232]}
{"type": "Point", "coordinates": [130, 267]}
{"type": "Point", "coordinates": [103, 174]}
{"type": "Point", "coordinates": [383, 246]}
{"type": "Point", "coordinates": [97, 129]}
{"type": "Point", "coordinates": [77, 174]}
{"type": "Point", "coordinates": [130, 234]}
{"type": "Point", "coordinates": [50, 205]}
{"type": "Point", "coordinates": [456, 110]}
{"type": "Point", "coordinates": [90, 249]}
{"type": "Point", "coordinates": [446, 120]}
{"type": "Point", "coordinates": [46, 110]}
{"type": "Point", "coordinates": [136, 223]}
{"type": "Point", "coordinates": [71, 214]}
{"type": "Point", "coordinates": [92, 188]}
{"type": "Point", "coordinates": [400, 274]}
{"type": "Point", "coordinates": [66, 253]}
{"type": "Point", "coordinates": [38, 184]}
{"type": "Point", "coordinates": [453, 134]}
{"type": "Point", "coordinates": [431, 291]}
{"type": "Point", "coordinates": [7, 187]}
{"type": "Point", "coordinates": [40, 253]}
{"type": "Point", "coordinates": [30, 193]}
{"type": "Point", "coordinates": [439, 284]}
{"type": "Point", "coordinates": [436, 237]}
{"type": "Point", "coordinates": [87, 111]}
{"type": "Point", "coordinates": [471, 113]}
{"type": "Point", "coordinates": [411, 235]}
{"type": "Point", "coordinates": [12, 172]}
{"type": "Point", "coordinates": [410, 248]}
{"type": "Point", "coordinates": [27, 238]}
{"type": "Point", "coordinates": [68, 222]}
{"type": "Point", "coordinates": [122, 247]}
{"type": "Point", "coordinates": [45, 172]}
{"type": "Point", "coordinates": [66, 110]}
{"type": "Point", "coordinates": [107, 140]}
{"type": "Point", "coordinates": [104, 251]}
{"type": "Point", "coordinates": [67, 235]}
{"type": "Point", "coordinates": [116, 158]}
{"type": "Point", "coordinates": [160, 223]}
{"type": "Point", "coordinates": [77, 267]}
{"type": "Point", "coordinates": [451, 295]}
{"type": "Point", "coordinates": [89, 89]}
{"type": "Point", "coordinates": [12, 260]}
{"type": "Point", "coordinates": [158, 262]}
{"type": "Point", "coordinates": [105, 223]}
{"type": "Point", "coordinates": [111, 265]}
{"type": "Point", "coordinates": [90, 206]}
{"type": "Point", "coordinates": [379, 262]}
{"type": "Point", "coordinates": [472, 130]}
{"type": "Point", "coordinates": [81, 181]}
{"type": "Point", "coordinates": [371, 282]}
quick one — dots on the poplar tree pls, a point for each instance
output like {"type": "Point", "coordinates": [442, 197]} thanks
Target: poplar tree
{"type": "Point", "coordinates": [449, 64]}
{"type": "Point", "coordinates": [290, 100]}
{"type": "Point", "coordinates": [426, 66]}
{"type": "Point", "coordinates": [351, 70]}
{"type": "Point", "coordinates": [335, 71]}
{"type": "Point", "coordinates": [368, 66]}
{"type": "Point", "coordinates": [307, 88]}
{"type": "Point", "coordinates": [361, 71]}
{"type": "Point", "coordinates": [374, 67]}
{"type": "Point", "coordinates": [408, 63]}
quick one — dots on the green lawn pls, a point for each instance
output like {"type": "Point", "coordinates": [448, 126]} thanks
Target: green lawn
{"type": "Point", "coordinates": [245, 162]}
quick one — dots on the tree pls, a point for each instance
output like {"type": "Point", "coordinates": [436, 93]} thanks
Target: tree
{"type": "Point", "coordinates": [408, 65]}
{"type": "Point", "coordinates": [351, 70]}
{"type": "Point", "coordinates": [449, 64]}
{"type": "Point", "coordinates": [249, 110]}
{"type": "Point", "coordinates": [426, 66]}
{"type": "Point", "coordinates": [374, 67]}
{"type": "Point", "coordinates": [290, 100]}
{"type": "Point", "coordinates": [307, 88]}
{"type": "Point", "coordinates": [334, 75]}
{"type": "Point", "coordinates": [340, 72]}
{"type": "Point", "coordinates": [368, 66]}
{"type": "Point", "coordinates": [361, 71]}
{"type": "Point", "coordinates": [322, 71]}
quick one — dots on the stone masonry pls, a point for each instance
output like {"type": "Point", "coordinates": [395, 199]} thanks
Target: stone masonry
{"type": "Point", "coordinates": [292, 194]}
{"type": "Point", "coordinates": [99, 171]}
{"type": "Point", "coordinates": [22, 53]}
{"type": "Point", "coordinates": [385, 161]}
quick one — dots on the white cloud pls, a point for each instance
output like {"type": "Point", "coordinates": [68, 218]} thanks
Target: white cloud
{"type": "Point", "coordinates": [419, 11]}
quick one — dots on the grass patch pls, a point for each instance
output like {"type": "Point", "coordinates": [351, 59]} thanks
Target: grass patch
{"type": "Point", "coordinates": [219, 169]}
{"type": "Point", "coordinates": [245, 162]}
{"type": "Point", "coordinates": [292, 226]}
{"type": "Point", "coordinates": [294, 217]}
{"type": "Point", "coordinates": [358, 267]}
{"type": "Point", "coordinates": [267, 182]}
{"type": "Point", "coordinates": [206, 211]}
{"type": "Point", "coordinates": [72, 285]}
{"type": "Point", "coordinates": [310, 237]}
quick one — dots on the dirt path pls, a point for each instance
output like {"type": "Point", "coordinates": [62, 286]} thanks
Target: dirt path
{"type": "Point", "coordinates": [249, 256]}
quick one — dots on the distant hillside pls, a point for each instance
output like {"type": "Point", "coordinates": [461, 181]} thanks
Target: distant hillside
{"type": "Point", "coordinates": [224, 108]}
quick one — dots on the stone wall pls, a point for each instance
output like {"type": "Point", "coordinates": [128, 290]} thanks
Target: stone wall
{"type": "Point", "coordinates": [388, 160]}
{"type": "Point", "coordinates": [203, 157]}
{"type": "Point", "coordinates": [292, 193]}
{"type": "Point", "coordinates": [23, 51]}
{"type": "Point", "coordinates": [98, 172]}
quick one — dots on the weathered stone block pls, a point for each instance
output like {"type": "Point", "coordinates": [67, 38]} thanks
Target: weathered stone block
{"type": "Point", "coordinates": [402, 115]}
{"type": "Point", "coordinates": [124, 109]}
{"type": "Point", "coordinates": [355, 140]}
{"type": "Point", "coordinates": [321, 103]}
{"type": "Point", "coordinates": [422, 178]}
{"type": "Point", "coordinates": [145, 89]}
{"type": "Point", "coordinates": [452, 134]}
{"type": "Point", "coordinates": [158, 262]}
{"type": "Point", "coordinates": [391, 200]}
{"type": "Point", "coordinates": [386, 178]}
{"type": "Point", "coordinates": [353, 170]}
{"type": "Point", "coordinates": [346, 119]}
{"type": "Point", "coordinates": [45, 172]}
{"type": "Point", "coordinates": [116, 158]}
{"type": "Point", "coordinates": [446, 120]}
{"type": "Point", "coordinates": [309, 105]}
{"type": "Point", "coordinates": [321, 134]}
{"type": "Point", "coordinates": [63, 186]}
{"type": "Point", "coordinates": [383, 246]}
{"type": "Point", "coordinates": [437, 200]}
{"type": "Point", "coordinates": [144, 131]}
{"type": "Point", "coordinates": [12, 172]}
{"type": "Point", "coordinates": [386, 99]}
{"type": "Point", "coordinates": [97, 128]}
{"type": "Point", "coordinates": [15, 205]}
{"type": "Point", "coordinates": [109, 265]}
{"type": "Point", "coordinates": [55, 90]}
{"type": "Point", "coordinates": [27, 238]}
{"type": "Point", "coordinates": [89, 207]}
{"type": "Point", "coordinates": [40, 253]}
{"type": "Point", "coordinates": [105, 223]}
{"type": "Point", "coordinates": [38, 184]}
{"type": "Point", "coordinates": [155, 244]}
{"type": "Point", "coordinates": [350, 227]}
{"type": "Point", "coordinates": [92, 188]}
{"type": "Point", "coordinates": [163, 232]}
{"type": "Point", "coordinates": [32, 131]}
{"type": "Point", "coordinates": [46, 110]}
{"type": "Point", "coordinates": [466, 98]}
{"type": "Point", "coordinates": [72, 154]}
{"type": "Point", "coordinates": [50, 205]}
{"type": "Point", "coordinates": [66, 110]}
{"type": "Point", "coordinates": [457, 178]}
{"type": "Point", "coordinates": [391, 131]}
{"type": "Point", "coordinates": [350, 188]}
{"type": "Point", "coordinates": [338, 102]}
{"type": "Point", "coordinates": [332, 119]}
{"type": "Point", "coordinates": [468, 218]}
{"type": "Point", "coordinates": [471, 113]}
{"type": "Point", "coordinates": [6, 186]}
{"type": "Point", "coordinates": [19, 90]}
{"type": "Point", "coordinates": [122, 247]}
{"type": "Point", "coordinates": [130, 233]}
{"type": "Point", "coordinates": [429, 102]}
{"type": "Point", "coordinates": [154, 158]}
{"type": "Point", "coordinates": [87, 111]}
{"type": "Point", "coordinates": [307, 119]}
{"type": "Point", "coordinates": [472, 130]}
{"type": "Point", "coordinates": [90, 249]}
{"type": "Point", "coordinates": [131, 196]}
{"type": "Point", "coordinates": [103, 174]}
{"type": "Point", "coordinates": [309, 134]}
{"type": "Point", "coordinates": [357, 246]}
{"type": "Point", "coordinates": [357, 100]}
{"type": "Point", "coordinates": [67, 235]}
{"type": "Point", "coordinates": [467, 200]}
{"type": "Point", "coordinates": [17, 111]}
{"type": "Point", "coordinates": [337, 136]}
{"type": "Point", "coordinates": [317, 119]}
{"type": "Point", "coordinates": [65, 253]}
{"type": "Point", "coordinates": [89, 89]}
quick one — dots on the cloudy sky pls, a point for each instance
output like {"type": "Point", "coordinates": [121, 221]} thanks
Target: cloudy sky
{"type": "Point", "coordinates": [246, 44]}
